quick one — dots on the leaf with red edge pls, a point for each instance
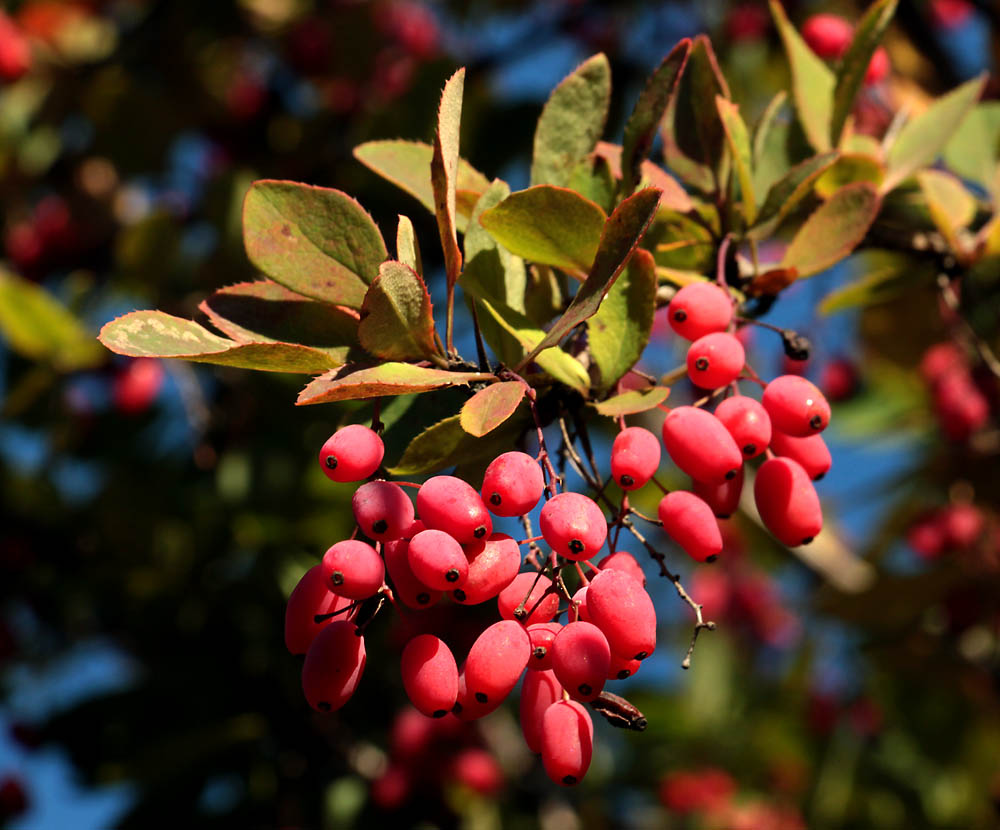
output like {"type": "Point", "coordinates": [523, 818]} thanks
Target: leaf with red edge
{"type": "Point", "coordinates": [397, 321]}
{"type": "Point", "coordinates": [316, 241]}
{"type": "Point", "coordinates": [352, 382]}
{"type": "Point", "coordinates": [157, 334]}
{"type": "Point", "coordinates": [407, 164]}
{"type": "Point", "coordinates": [490, 407]}
{"type": "Point", "coordinates": [444, 172]}
{"type": "Point", "coordinates": [265, 312]}
{"type": "Point", "coordinates": [633, 401]}
{"type": "Point", "coordinates": [695, 128]}
{"type": "Point", "coordinates": [622, 233]}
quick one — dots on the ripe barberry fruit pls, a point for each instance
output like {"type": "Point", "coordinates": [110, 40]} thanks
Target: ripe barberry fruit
{"type": "Point", "coordinates": [437, 560]}
{"type": "Point", "coordinates": [580, 658]}
{"type": "Point", "coordinates": [353, 569]}
{"type": "Point", "coordinates": [622, 609]}
{"type": "Point", "coordinates": [310, 598]}
{"type": "Point", "coordinates": [700, 445]}
{"type": "Point", "coordinates": [541, 636]}
{"type": "Point", "coordinates": [689, 521]}
{"type": "Point", "coordinates": [539, 607]}
{"type": "Point", "coordinates": [538, 692]}
{"type": "Point", "coordinates": [430, 675]}
{"type": "Point", "coordinates": [405, 586]}
{"type": "Point", "coordinates": [450, 504]}
{"type": "Point", "coordinates": [567, 742]}
{"type": "Point", "coordinates": [827, 35]}
{"type": "Point", "coordinates": [699, 309]}
{"type": "Point", "coordinates": [512, 484]}
{"type": "Point", "coordinates": [352, 453]}
{"type": "Point", "coordinates": [382, 510]}
{"type": "Point", "coordinates": [478, 770]}
{"type": "Point", "coordinates": [622, 560]}
{"type": "Point", "coordinates": [621, 667]}
{"type": "Point", "coordinates": [580, 604]}
{"type": "Point", "coordinates": [573, 525]}
{"type": "Point", "coordinates": [333, 667]}
{"type": "Point", "coordinates": [635, 457]}
{"type": "Point", "coordinates": [787, 501]}
{"type": "Point", "coordinates": [723, 498]}
{"type": "Point", "coordinates": [495, 662]}
{"type": "Point", "coordinates": [748, 423]}
{"type": "Point", "coordinates": [878, 67]}
{"type": "Point", "coordinates": [795, 406]}
{"type": "Point", "coordinates": [810, 451]}
{"type": "Point", "coordinates": [15, 51]}
{"type": "Point", "coordinates": [715, 360]}
{"type": "Point", "coordinates": [493, 564]}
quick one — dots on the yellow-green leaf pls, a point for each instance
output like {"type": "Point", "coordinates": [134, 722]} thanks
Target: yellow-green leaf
{"type": "Point", "coordinates": [397, 321]}
{"type": "Point", "coordinates": [352, 382]}
{"type": "Point", "coordinates": [490, 407]}
{"type": "Point", "coordinates": [633, 401]}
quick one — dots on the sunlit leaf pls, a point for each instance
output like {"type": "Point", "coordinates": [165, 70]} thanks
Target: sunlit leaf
{"type": "Point", "coordinates": [952, 207]}
{"type": "Point", "coordinates": [695, 127]}
{"type": "Point", "coordinates": [397, 322]}
{"type": "Point", "coordinates": [633, 401]}
{"type": "Point", "coordinates": [407, 246]}
{"type": "Point", "coordinates": [788, 192]}
{"type": "Point", "coordinates": [351, 382]}
{"type": "Point", "coordinates": [882, 275]}
{"type": "Point", "coordinates": [490, 407]}
{"type": "Point", "coordinates": [738, 140]}
{"type": "Point", "coordinates": [848, 169]}
{"type": "Point", "coordinates": [444, 172]}
{"type": "Point", "coordinates": [973, 152]}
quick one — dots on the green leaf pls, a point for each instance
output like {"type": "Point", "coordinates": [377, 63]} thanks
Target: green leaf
{"type": "Point", "coordinates": [952, 207]}
{"type": "Point", "coordinates": [493, 272]}
{"type": "Point", "coordinates": [679, 241]}
{"type": "Point", "coordinates": [446, 444]}
{"type": "Point", "coordinates": [549, 225]}
{"type": "Point", "coordinates": [784, 146]}
{"type": "Point", "coordinates": [490, 407]}
{"type": "Point", "coordinates": [157, 334]}
{"type": "Point", "coordinates": [812, 82]}
{"type": "Point", "coordinates": [848, 169]}
{"type": "Point", "coordinates": [397, 322]}
{"type": "Point", "coordinates": [833, 230]}
{"type": "Point", "coordinates": [738, 140]}
{"type": "Point", "coordinates": [921, 140]}
{"type": "Point", "coordinates": [674, 196]}
{"type": "Point", "coordinates": [444, 174]}
{"type": "Point", "coordinates": [763, 129]}
{"type": "Point", "coordinates": [561, 366]}
{"type": "Point", "coordinates": [785, 195]}
{"type": "Point", "coordinates": [265, 312]}
{"type": "Point", "coordinates": [852, 68]}
{"type": "Point", "coordinates": [974, 150]}
{"type": "Point", "coordinates": [593, 179]}
{"type": "Point", "coordinates": [633, 401]}
{"type": "Point", "coordinates": [622, 233]}
{"type": "Point", "coordinates": [649, 110]}
{"type": "Point", "coordinates": [619, 331]}
{"type": "Point", "coordinates": [352, 382]}
{"type": "Point", "coordinates": [571, 122]}
{"type": "Point", "coordinates": [695, 125]}
{"type": "Point", "coordinates": [884, 276]}
{"type": "Point", "coordinates": [407, 247]}
{"type": "Point", "coordinates": [39, 327]}
{"type": "Point", "coordinates": [407, 164]}
{"type": "Point", "coordinates": [314, 240]}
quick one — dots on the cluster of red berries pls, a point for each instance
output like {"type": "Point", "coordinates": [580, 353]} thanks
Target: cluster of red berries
{"type": "Point", "coordinates": [829, 36]}
{"type": "Point", "coordinates": [960, 406]}
{"type": "Point", "coordinates": [955, 527]}
{"type": "Point", "coordinates": [709, 793]}
{"type": "Point", "coordinates": [15, 50]}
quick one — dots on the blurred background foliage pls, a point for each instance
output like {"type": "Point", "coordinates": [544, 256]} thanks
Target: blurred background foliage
{"type": "Point", "coordinates": [156, 514]}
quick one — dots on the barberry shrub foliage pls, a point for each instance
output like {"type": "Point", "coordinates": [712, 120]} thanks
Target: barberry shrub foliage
{"type": "Point", "coordinates": [560, 283]}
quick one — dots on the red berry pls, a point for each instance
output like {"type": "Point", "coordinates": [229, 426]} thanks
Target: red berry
{"type": "Point", "coordinates": [624, 561]}
{"type": "Point", "coordinates": [310, 598]}
{"type": "Point", "coordinates": [493, 564]}
{"type": "Point", "coordinates": [512, 484]}
{"type": "Point", "coordinates": [622, 609]}
{"type": "Point", "coordinates": [580, 658]}
{"type": "Point", "coordinates": [635, 457]}
{"type": "Point", "coordinates": [405, 586]}
{"type": "Point", "coordinates": [787, 501]}
{"type": "Point", "coordinates": [580, 602]}
{"type": "Point", "coordinates": [827, 35]}
{"type": "Point", "coordinates": [447, 503]}
{"type": "Point", "coordinates": [382, 510]}
{"type": "Point", "coordinates": [951, 14]}
{"type": "Point", "coordinates": [495, 662]}
{"type": "Point", "coordinates": [715, 360]}
{"type": "Point", "coordinates": [15, 51]}
{"type": "Point", "coordinates": [430, 675]}
{"type": "Point", "coordinates": [796, 406]}
{"type": "Point", "coordinates": [689, 521]}
{"type": "Point", "coordinates": [437, 560]}
{"type": "Point", "coordinates": [723, 498]}
{"type": "Point", "coordinates": [700, 308]}
{"type": "Point", "coordinates": [567, 742]}
{"type": "Point", "coordinates": [391, 789]}
{"type": "Point", "coordinates": [476, 769]}
{"type": "Point", "coordinates": [963, 525]}
{"type": "Point", "coordinates": [467, 708]}
{"type": "Point", "coordinates": [536, 609]}
{"type": "Point", "coordinates": [621, 667]}
{"type": "Point", "coordinates": [700, 445]}
{"type": "Point", "coordinates": [13, 798]}
{"type": "Point", "coordinates": [748, 423]}
{"type": "Point", "coordinates": [811, 452]}
{"type": "Point", "coordinates": [941, 360]}
{"type": "Point", "coordinates": [353, 569]}
{"type": "Point", "coordinates": [538, 692]}
{"type": "Point", "coordinates": [927, 536]}
{"type": "Point", "coordinates": [838, 380]}
{"type": "Point", "coordinates": [352, 453]}
{"type": "Point", "coordinates": [411, 735]}
{"type": "Point", "coordinates": [135, 388]}
{"type": "Point", "coordinates": [541, 636]}
{"type": "Point", "coordinates": [573, 525]}
{"type": "Point", "coordinates": [878, 67]}
{"type": "Point", "coordinates": [333, 667]}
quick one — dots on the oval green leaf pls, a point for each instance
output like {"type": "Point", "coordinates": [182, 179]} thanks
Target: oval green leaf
{"type": "Point", "coordinates": [352, 382]}
{"type": "Point", "coordinates": [397, 321]}
{"type": "Point", "coordinates": [490, 407]}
